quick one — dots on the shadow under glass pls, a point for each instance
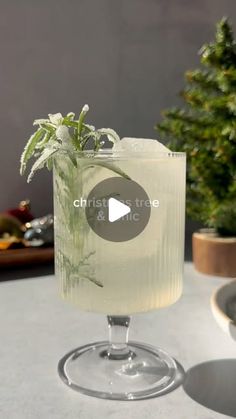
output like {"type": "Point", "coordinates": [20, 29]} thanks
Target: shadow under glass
{"type": "Point", "coordinates": [213, 385]}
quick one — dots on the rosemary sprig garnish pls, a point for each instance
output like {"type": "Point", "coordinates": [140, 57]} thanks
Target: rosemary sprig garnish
{"type": "Point", "coordinates": [70, 136]}
{"type": "Point", "coordinates": [65, 132]}
{"type": "Point", "coordinates": [78, 272]}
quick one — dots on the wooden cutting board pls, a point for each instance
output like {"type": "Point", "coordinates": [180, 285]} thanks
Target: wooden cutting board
{"type": "Point", "coordinates": [26, 256]}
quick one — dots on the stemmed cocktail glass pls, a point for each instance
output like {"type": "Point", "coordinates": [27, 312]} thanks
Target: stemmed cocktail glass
{"type": "Point", "coordinates": [119, 277]}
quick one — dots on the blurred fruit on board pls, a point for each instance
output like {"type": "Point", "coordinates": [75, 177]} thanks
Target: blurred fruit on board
{"type": "Point", "coordinates": [18, 228]}
{"type": "Point", "coordinates": [22, 213]}
{"type": "Point", "coordinates": [9, 242]}
{"type": "Point", "coordinates": [10, 226]}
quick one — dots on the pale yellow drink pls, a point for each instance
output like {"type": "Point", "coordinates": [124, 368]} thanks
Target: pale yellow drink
{"type": "Point", "coordinates": [139, 275]}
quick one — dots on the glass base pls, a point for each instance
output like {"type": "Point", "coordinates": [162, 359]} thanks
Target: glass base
{"type": "Point", "coordinates": [146, 372]}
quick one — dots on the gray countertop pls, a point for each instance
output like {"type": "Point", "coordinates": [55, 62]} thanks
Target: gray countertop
{"type": "Point", "coordinates": [38, 328]}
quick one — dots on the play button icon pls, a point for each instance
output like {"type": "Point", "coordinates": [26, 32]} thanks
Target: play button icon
{"type": "Point", "coordinates": [116, 210]}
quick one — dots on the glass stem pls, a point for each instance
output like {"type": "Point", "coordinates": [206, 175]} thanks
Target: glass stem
{"type": "Point", "coordinates": [118, 338]}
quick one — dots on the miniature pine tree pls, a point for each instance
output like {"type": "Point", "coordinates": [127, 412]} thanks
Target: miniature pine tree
{"type": "Point", "coordinates": [206, 130]}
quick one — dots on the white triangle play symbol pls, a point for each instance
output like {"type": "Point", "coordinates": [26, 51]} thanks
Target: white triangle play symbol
{"type": "Point", "coordinates": [116, 210]}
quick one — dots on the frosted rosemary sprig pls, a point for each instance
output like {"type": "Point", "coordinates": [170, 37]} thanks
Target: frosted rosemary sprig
{"type": "Point", "coordinates": [65, 132]}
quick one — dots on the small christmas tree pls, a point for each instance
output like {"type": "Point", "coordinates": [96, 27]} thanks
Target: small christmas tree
{"type": "Point", "coordinates": [206, 130]}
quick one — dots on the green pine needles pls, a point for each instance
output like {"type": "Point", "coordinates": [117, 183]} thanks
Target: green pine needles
{"type": "Point", "coordinates": [206, 130]}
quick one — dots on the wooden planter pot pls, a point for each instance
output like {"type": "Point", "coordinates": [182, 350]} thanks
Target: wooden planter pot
{"type": "Point", "coordinates": [214, 255]}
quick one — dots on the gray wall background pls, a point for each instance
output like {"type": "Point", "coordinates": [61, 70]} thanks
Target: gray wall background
{"type": "Point", "coordinates": [125, 58]}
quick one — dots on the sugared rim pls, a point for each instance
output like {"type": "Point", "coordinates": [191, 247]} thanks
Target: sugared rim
{"type": "Point", "coordinates": [109, 152]}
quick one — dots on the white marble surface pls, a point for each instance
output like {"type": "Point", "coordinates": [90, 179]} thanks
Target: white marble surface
{"type": "Point", "coordinates": [37, 328]}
